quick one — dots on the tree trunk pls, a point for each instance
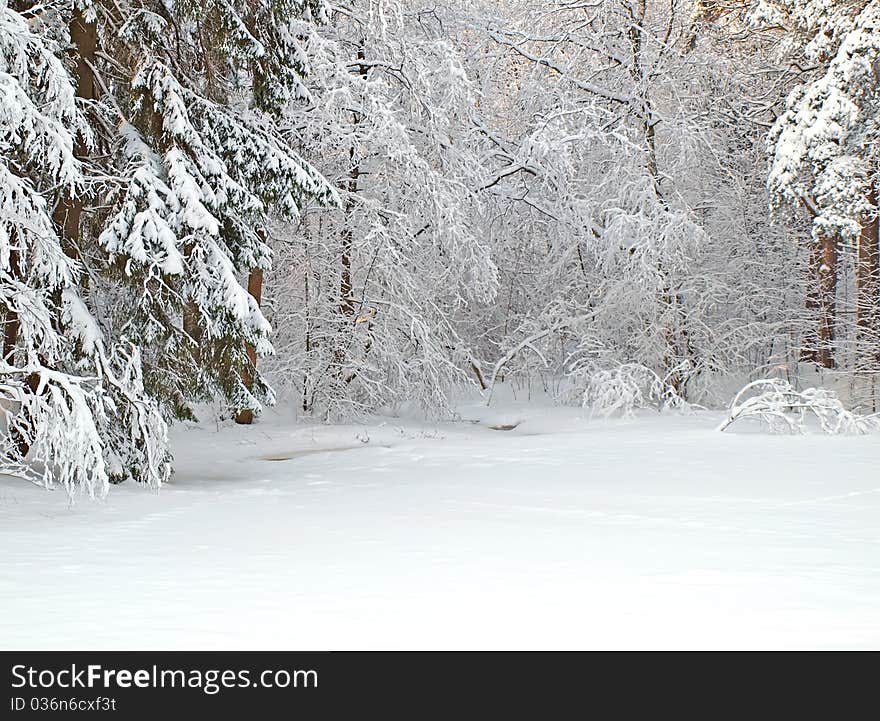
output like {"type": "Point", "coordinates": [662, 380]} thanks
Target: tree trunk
{"type": "Point", "coordinates": [248, 374]}
{"type": "Point", "coordinates": [346, 305]}
{"type": "Point", "coordinates": [68, 213]}
{"type": "Point", "coordinates": [868, 297]}
{"type": "Point", "coordinates": [84, 39]}
{"type": "Point", "coordinates": [10, 336]}
{"type": "Point", "coordinates": [11, 322]}
{"type": "Point", "coordinates": [346, 302]}
{"type": "Point", "coordinates": [11, 328]}
{"type": "Point", "coordinates": [826, 281]}
{"type": "Point", "coordinates": [810, 344]}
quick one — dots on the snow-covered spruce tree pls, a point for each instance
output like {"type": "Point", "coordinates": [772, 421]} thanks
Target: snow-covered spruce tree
{"type": "Point", "coordinates": [826, 158]}
{"type": "Point", "coordinates": [371, 305]}
{"type": "Point", "coordinates": [74, 414]}
{"type": "Point", "coordinates": [202, 166]}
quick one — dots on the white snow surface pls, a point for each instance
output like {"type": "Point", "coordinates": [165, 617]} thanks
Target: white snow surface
{"type": "Point", "coordinates": [564, 532]}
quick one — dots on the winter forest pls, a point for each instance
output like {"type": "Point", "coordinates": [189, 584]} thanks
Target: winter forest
{"type": "Point", "coordinates": [373, 219]}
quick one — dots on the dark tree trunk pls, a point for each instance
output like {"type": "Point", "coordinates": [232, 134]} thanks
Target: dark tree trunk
{"type": "Point", "coordinates": [810, 343]}
{"type": "Point", "coordinates": [11, 322]}
{"type": "Point", "coordinates": [346, 300]}
{"type": "Point", "coordinates": [245, 416]}
{"type": "Point", "coordinates": [868, 298]}
{"type": "Point", "coordinates": [346, 303]}
{"type": "Point", "coordinates": [11, 328]}
{"type": "Point", "coordinates": [84, 39]}
{"type": "Point", "coordinates": [826, 280]}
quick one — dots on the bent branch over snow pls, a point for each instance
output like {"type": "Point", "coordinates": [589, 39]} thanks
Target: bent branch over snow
{"type": "Point", "coordinates": [785, 410]}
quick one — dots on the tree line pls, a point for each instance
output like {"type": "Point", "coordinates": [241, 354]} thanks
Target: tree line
{"type": "Point", "coordinates": [364, 204]}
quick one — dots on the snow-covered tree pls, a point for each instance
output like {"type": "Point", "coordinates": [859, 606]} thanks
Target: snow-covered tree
{"type": "Point", "coordinates": [825, 149]}
{"type": "Point", "coordinates": [369, 302]}
{"type": "Point", "coordinates": [448, 194]}
{"type": "Point", "coordinates": [203, 165]}
{"type": "Point", "coordinates": [74, 413]}
{"type": "Point", "coordinates": [627, 194]}
{"type": "Point", "coordinates": [138, 177]}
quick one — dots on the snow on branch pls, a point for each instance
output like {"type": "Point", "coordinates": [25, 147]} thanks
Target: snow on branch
{"type": "Point", "coordinates": [784, 409]}
{"type": "Point", "coordinates": [629, 386]}
{"type": "Point", "coordinates": [49, 432]}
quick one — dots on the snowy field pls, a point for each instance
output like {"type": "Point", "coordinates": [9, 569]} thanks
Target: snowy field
{"type": "Point", "coordinates": [563, 532]}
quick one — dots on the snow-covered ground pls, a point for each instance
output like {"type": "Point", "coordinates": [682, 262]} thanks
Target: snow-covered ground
{"type": "Point", "coordinates": [563, 532]}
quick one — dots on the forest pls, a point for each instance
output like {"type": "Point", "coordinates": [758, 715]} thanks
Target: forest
{"type": "Point", "coordinates": [439, 324]}
{"type": "Point", "coordinates": [349, 207]}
